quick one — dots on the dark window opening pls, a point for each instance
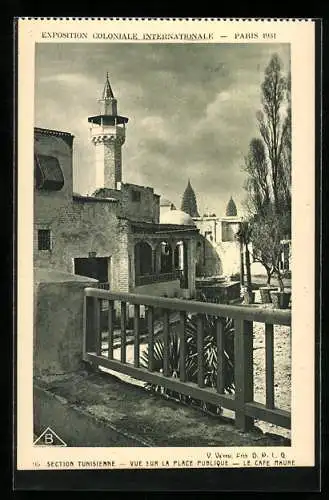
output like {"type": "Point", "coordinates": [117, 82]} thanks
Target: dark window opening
{"type": "Point", "coordinates": [44, 239]}
{"type": "Point", "coordinates": [143, 259]}
{"type": "Point", "coordinates": [48, 173]}
{"type": "Point", "coordinates": [135, 195]}
{"type": "Point", "coordinates": [93, 267]}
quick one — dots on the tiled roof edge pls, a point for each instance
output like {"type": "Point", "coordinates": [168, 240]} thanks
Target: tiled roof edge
{"type": "Point", "coordinates": [48, 131]}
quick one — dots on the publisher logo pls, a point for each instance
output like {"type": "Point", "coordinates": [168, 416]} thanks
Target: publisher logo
{"type": "Point", "coordinates": [49, 438]}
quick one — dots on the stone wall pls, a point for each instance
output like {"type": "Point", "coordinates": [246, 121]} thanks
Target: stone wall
{"type": "Point", "coordinates": [217, 256]}
{"type": "Point", "coordinates": [47, 203]}
{"type": "Point", "coordinates": [147, 209]}
{"type": "Point", "coordinates": [209, 262]}
{"type": "Point", "coordinates": [163, 289]}
{"type": "Point", "coordinates": [82, 227]}
{"type": "Point", "coordinates": [209, 227]}
{"type": "Point", "coordinates": [108, 167]}
{"type": "Point", "coordinates": [229, 252]}
{"type": "Point", "coordinates": [215, 259]}
{"type": "Point", "coordinates": [79, 225]}
{"type": "Point", "coordinates": [58, 321]}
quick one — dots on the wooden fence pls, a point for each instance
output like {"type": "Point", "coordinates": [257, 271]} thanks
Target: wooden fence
{"type": "Point", "coordinates": [241, 402]}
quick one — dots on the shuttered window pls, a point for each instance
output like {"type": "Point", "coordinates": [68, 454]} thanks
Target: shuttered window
{"type": "Point", "coordinates": [48, 173]}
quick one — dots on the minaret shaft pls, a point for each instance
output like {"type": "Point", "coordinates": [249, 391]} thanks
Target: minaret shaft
{"type": "Point", "coordinates": [108, 156]}
{"type": "Point", "coordinates": [108, 134]}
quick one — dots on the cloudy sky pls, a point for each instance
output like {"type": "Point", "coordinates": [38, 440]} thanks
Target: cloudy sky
{"type": "Point", "coordinates": [191, 110]}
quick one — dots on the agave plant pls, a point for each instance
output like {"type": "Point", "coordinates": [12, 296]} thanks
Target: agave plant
{"type": "Point", "coordinates": [191, 366]}
{"type": "Point", "coordinates": [210, 351]}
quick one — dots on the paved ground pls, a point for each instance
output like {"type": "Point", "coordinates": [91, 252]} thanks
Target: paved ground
{"type": "Point", "coordinates": [282, 366]}
{"type": "Point", "coordinates": [147, 419]}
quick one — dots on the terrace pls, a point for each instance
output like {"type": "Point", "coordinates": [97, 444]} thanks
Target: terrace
{"type": "Point", "coordinates": [90, 370]}
{"type": "Point", "coordinates": [99, 346]}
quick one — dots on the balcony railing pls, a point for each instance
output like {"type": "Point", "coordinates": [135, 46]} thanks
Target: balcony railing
{"type": "Point", "coordinates": [103, 286]}
{"type": "Point", "coordinates": [241, 402]}
{"type": "Point", "coordinates": [147, 279]}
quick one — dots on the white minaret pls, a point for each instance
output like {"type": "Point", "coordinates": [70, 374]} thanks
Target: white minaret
{"type": "Point", "coordinates": [108, 133]}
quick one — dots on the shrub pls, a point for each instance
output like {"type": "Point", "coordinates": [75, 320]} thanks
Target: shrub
{"type": "Point", "coordinates": [191, 366]}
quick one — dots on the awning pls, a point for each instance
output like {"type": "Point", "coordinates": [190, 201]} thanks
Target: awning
{"type": "Point", "coordinates": [49, 175]}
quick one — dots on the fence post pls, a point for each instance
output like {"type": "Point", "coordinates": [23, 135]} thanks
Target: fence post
{"type": "Point", "coordinates": [182, 347]}
{"type": "Point", "coordinates": [91, 330]}
{"type": "Point", "coordinates": [243, 371]}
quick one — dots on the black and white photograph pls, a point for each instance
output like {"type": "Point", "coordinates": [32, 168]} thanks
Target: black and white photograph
{"type": "Point", "coordinates": [163, 249]}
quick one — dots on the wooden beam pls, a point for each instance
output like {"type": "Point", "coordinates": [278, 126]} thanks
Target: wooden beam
{"type": "Point", "coordinates": [200, 350]}
{"type": "Point", "coordinates": [110, 320]}
{"type": "Point", "coordinates": [188, 388]}
{"type": "Point", "coordinates": [150, 329]}
{"type": "Point", "coordinates": [275, 416]}
{"type": "Point", "coordinates": [123, 331]}
{"type": "Point", "coordinates": [97, 328]}
{"type": "Point", "coordinates": [136, 335]}
{"type": "Point", "coordinates": [257, 314]}
{"type": "Point", "coordinates": [220, 355]}
{"type": "Point", "coordinates": [166, 344]}
{"type": "Point", "coordinates": [269, 365]}
{"type": "Point", "coordinates": [182, 347]}
{"type": "Point", "coordinates": [243, 372]}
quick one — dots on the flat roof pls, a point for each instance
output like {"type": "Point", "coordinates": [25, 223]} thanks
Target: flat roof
{"type": "Point", "coordinates": [91, 199]}
{"type": "Point", "coordinates": [47, 275]}
{"type": "Point", "coordinates": [49, 131]}
{"type": "Point", "coordinates": [160, 228]}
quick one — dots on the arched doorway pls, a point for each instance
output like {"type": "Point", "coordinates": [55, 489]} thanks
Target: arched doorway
{"type": "Point", "coordinates": [143, 259]}
{"type": "Point", "coordinates": [166, 257]}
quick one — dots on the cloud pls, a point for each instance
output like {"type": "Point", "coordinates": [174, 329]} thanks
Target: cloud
{"type": "Point", "coordinates": [191, 110]}
{"type": "Point", "coordinates": [75, 79]}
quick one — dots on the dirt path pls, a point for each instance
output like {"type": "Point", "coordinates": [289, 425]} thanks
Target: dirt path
{"type": "Point", "coordinates": [282, 370]}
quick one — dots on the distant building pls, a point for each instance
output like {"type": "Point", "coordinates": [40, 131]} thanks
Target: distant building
{"type": "Point", "coordinates": [165, 205]}
{"type": "Point", "coordinates": [218, 251]}
{"type": "Point", "coordinates": [115, 235]}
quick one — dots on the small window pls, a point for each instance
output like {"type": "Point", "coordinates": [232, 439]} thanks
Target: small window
{"type": "Point", "coordinates": [135, 195]}
{"type": "Point", "coordinates": [44, 239]}
{"type": "Point", "coordinates": [227, 232]}
{"type": "Point", "coordinates": [48, 173]}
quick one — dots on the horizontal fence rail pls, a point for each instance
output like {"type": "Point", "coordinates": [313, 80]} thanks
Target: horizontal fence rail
{"type": "Point", "coordinates": [129, 307]}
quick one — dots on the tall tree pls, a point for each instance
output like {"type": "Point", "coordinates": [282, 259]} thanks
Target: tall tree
{"type": "Point", "coordinates": [266, 245]}
{"type": "Point", "coordinates": [189, 204]}
{"type": "Point", "coordinates": [273, 126]}
{"type": "Point", "coordinates": [285, 166]}
{"type": "Point", "coordinates": [268, 165]}
{"type": "Point", "coordinates": [257, 183]}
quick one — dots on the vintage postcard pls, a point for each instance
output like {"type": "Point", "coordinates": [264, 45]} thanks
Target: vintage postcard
{"type": "Point", "coordinates": [166, 244]}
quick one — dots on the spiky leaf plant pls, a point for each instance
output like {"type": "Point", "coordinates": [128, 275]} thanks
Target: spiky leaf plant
{"type": "Point", "coordinates": [210, 357]}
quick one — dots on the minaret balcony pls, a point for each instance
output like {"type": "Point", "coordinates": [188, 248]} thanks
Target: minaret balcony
{"type": "Point", "coordinates": [108, 133]}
